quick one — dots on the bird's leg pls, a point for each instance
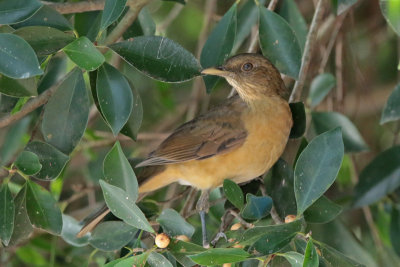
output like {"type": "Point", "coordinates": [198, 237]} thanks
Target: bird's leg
{"type": "Point", "coordinates": [202, 207]}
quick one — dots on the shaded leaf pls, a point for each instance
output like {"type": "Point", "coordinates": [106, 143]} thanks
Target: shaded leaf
{"type": "Point", "coordinates": [55, 70]}
{"type": "Point", "coordinates": [159, 58]}
{"type": "Point", "coordinates": [395, 229]}
{"type": "Point", "coordinates": [112, 10]}
{"type": "Point", "coordinates": [180, 251]}
{"type": "Point", "coordinates": [88, 24]}
{"type": "Point", "coordinates": [233, 193]}
{"type": "Point", "coordinates": [111, 235]}
{"type": "Point", "coordinates": [317, 168]}
{"type": "Point", "coordinates": [299, 120]}
{"type": "Point", "coordinates": [174, 224]}
{"type": "Point", "coordinates": [219, 256]}
{"type": "Point", "coordinates": [7, 209]}
{"type": "Point", "coordinates": [70, 228]}
{"type": "Point", "coordinates": [294, 258]}
{"type": "Point", "coordinates": [28, 163]}
{"type": "Point", "coordinates": [132, 126]}
{"type": "Point", "coordinates": [15, 11]}
{"type": "Point", "coordinates": [158, 260]}
{"type": "Point", "coordinates": [279, 43]}
{"type": "Point", "coordinates": [18, 88]}
{"type": "Point", "coordinates": [17, 58]}
{"type": "Point", "coordinates": [391, 111]}
{"type": "Point", "coordinates": [320, 88]}
{"type": "Point", "coordinates": [310, 256]}
{"type": "Point", "coordinates": [256, 207]}
{"type": "Point", "coordinates": [84, 54]}
{"type": "Point", "coordinates": [66, 114]}
{"type": "Point", "coordinates": [322, 211]}
{"type": "Point", "coordinates": [7, 103]}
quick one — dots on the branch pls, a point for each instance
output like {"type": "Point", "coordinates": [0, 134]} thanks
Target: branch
{"type": "Point", "coordinates": [78, 7]}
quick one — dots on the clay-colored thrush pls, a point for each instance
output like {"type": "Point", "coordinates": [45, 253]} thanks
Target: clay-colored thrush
{"type": "Point", "coordinates": [238, 140]}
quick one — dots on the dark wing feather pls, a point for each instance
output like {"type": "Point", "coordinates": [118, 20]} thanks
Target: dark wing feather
{"type": "Point", "coordinates": [216, 132]}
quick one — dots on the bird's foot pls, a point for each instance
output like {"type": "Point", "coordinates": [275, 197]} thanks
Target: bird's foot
{"type": "Point", "coordinates": [218, 237]}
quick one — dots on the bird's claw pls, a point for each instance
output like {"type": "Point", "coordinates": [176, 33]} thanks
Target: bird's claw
{"type": "Point", "coordinates": [218, 236]}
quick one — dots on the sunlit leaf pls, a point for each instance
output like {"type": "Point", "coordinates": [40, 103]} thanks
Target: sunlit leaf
{"type": "Point", "coordinates": [84, 54]}
{"type": "Point", "coordinates": [28, 163]}
{"type": "Point", "coordinates": [111, 235]}
{"type": "Point", "coordinates": [391, 111]}
{"type": "Point", "coordinates": [320, 87]}
{"type": "Point", "coordinates": [111, 12]}
{"type": "Point", "coordinates": [219, 256]}
{"type": "Point", "coordinates": [7, 208]}
{"type": "Point", "coordinates": [233, 193]}
{"type": "Point", "coordinates": [15, 11]}
{"type": "Point", "coordinates": [174, 224]}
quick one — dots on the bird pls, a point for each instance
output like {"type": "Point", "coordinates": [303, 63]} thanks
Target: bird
{"type": "Point", "coordinates": [240, 139]}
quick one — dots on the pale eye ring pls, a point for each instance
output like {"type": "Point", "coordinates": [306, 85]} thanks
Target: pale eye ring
{"type": "Point", "coordinates": [247, 66]}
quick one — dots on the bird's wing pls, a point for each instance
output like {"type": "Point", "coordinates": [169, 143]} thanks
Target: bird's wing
{"type": "Point", "coordinates": [218, 131]}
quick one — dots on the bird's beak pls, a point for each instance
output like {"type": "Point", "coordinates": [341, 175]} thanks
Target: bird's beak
{"type": "Point", "coordinates": [215, 71]}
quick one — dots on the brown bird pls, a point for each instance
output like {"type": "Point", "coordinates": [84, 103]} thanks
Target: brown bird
{"type": "Point", "coordinates": [238, 140]}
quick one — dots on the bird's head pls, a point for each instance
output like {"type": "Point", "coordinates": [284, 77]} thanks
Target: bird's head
{"type": "Point", "coordinates": [252, 75]}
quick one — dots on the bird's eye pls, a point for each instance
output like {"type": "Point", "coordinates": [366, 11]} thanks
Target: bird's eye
{"type": "Point", "coordinates": [247, 66]}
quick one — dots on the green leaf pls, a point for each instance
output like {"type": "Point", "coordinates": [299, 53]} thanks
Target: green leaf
{"type": "Point", "coordinates": [311, 255]}
{"type": "Point", "coordinates": [395, 229]}
{"type": "Point", "coordinates": [18, 88]}
{"type": "Point", "coordinates": [391, 111]}
{"type": "Point", "coordinates": [256, 207]}
{"type": "Point", "coordinates": [66, 114]}
{"type": "Point", "coordinates": [332, 258]}
{"type": "Point", "coordinates": [7, 103]}
{"type": "Point", "coordinates": [322, 211]}
{"type": "Point", "coordinates": [52, 160]}
{"type": "Point", "coordinates": [219, 45]}
{"type": "Point", "coordinates": [139, 260]}
{"type": "Point", "coordinates": [55, 71]}
{"type": "Point", "coordinates": [84, 54]}
{"type": "Point", "coordinates": [220, 256]}
{"type": "Point", "coordinates": [70, 228]}
{"type": "Point", "coordinates": [30, 255]}
{"type": "Point", "coordinates": [299, 119]}
{"type": "Point", "coordinates": [379, 178]}
{"type": "Point", "coordinates": [143, 25]}
{"type": "Point", "coordinates": [158, 260]}
{"type": "Point", "coordinates": [118, 172]}
{"type": "Point", "coordinates": [294, 258]}
{"type": "Point", "coordinates": [159, 58]}
{"type": "Point", "coordinates": [352, 139]}
{"type": "Point", "coordinates": [279, 43]}
{"type": "Point", "coordinates": [233, 193]}
{"type": "Point", "coordinates": [15, 11]}
{"type": "Point", "coordinates": [115, 97]}
{"type": "Point", "coordinates": [112, 235]}
{"type": "Point", "coordinates": [43, 39]}
{"type": "Point", "coordinates": [28, 163]}
{"type": "Point", "coordinates": [42, 209]}
{"type": "Point", "coordinates": [180, 251]}
{"type": "Point", "coordinates": [7, 209]}
{"type": "Point", "coordinates": [88, 24]}
{"type": "Point", "coordinates": [132, 126]}
{"type": "Point", "coordinates": [124, 208]}
{"type": "Point", "coordinates": [17, 58]}
{"type": "Point", "coordinates": [320, 87]}
{"type": "Point", "coordinates": [390, 10]}
{"type": "Point", "coordinates": [343, 5]}
{"type": "Point", "coordinates": [317, 168]}
{"type": "Point", "coordinates": [112, 10]}
{"type": "Point", "coordinates": [174, 224]}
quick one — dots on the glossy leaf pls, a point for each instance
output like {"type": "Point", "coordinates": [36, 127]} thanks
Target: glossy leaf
{"type": "Point", "coordinates": [28, 163]}
{"type": "Point", "coordinates": [15, 11]}
{"type": "Point", "coordinates": [52, 160]}
{"type": "Point", "coordinates": [132, 126]}
{"type": "Point", "coordinates": [343, 5]}
{"type": "Point", "coordinates": [332, 258]}
{"type": "Point", "coordinates": [220, 256]}
{"type": "Point", "coordinates": [159, 58]}
{"type": "Point", "coordinates": [294, 258]}
{"type": "Point", "coordinates": [311, 255]}
{"type": "Point", "coordinates": [66, 114]}
{"type": "Point", "coordinates": [317, 168]}
{"type": "Point", "coordinates": [124, 208]}
{"type": "Point", "coordinates": [112, 235]}
{"type": "Point", "coordinates": [379, 178]}
{"type": "Point", "coordinates": [395, 229]}
{"type": "Point", "coordinates": [18, 88]}
{"type": "Point", "coordinates": [320, 88]}
{"type": "Point", "coordinates": [70, 228]}
{"type": "Point", "coordinates": [391, 111]}
{"type": "Point", "coordinates": [42, 209]}
{"type": "Point", "coordinates": [219, 45]}
{"type": "Point", "coordinates": [84, 54]}
{"type": "Point", "coordinates": [322, 211]}
{"type": "Point", "coordinates": [112, 10]}
{"type": "Point", "coordinates": [17, 58]}
{"type": "Point", "coordinates": [352, 139]}
{"type": "Point", "coordinates": [44, 40]}
{"type": "Point", "coordinates": [174, 224]}
{"type": "Point", "coordinates": [7, 209]}
{"type": "Point", "coordinates": [299, 120]}
{"type": "Point", "coordinates": [233, 193]}
{"type": "Point", "coordinates": [158, 260]}
{"type": "Point", "coordinates": [256, 207]}
{"type": "Point", "coordinates": [115, 97]}
{"type": "Point", "coordinates": [118, 172]}
{"type": "Point", "coordinates": [279, 43]}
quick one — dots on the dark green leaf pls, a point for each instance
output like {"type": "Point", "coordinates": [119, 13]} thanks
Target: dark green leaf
{"type": "Point", "coordinates": [112, 235]}
{"type": "Point", "coordinates": [7, 209]}
{"type": "Point", "coordinates": [158, 260]}
{"type": "Point", "coordinates": [132, 126]}
{"type": "Point", "coordinates": [115, 97]}
{"type": "Point", "coordinates": [52, 160]}
{"type": "Point", "coordinates": [352, 139]}
{"type": "Point", "coordinates": [84, 54]}
{"type": "Point", "coordinates": [70, 229]}
{"type": "Point", "coordinates": [174, 224]}
{"type": "Point", "coordinates": [159, 57]}
{"type": "Point", "coordinates": [220, 256]}
{"type": "Point", "coordinates": [124, 208]}
{"type": "Point", "coordinates": [395, 229]}
{"type": "Point", "coordinates": [15, 11]}
{"type": "Point", "coordinates": [279, 43]}
{"type": "Point", "coordinates": [43, 39]}
{"type": "Point", "coordinates": [299, 120]}
{"type": "Point", "coordinates": [55, 70]}
{"type": "Point", "coordinates": [139, 260]}
{"type": "Point", "coordinates": [7, 103]}
{"type": "Point", "coordinates": [28, 163]}
{"type": "Point", "coordinates": [379, 178]}
{"type": "Point", "coordinates": [317, 168]}
{"type": "Point", "coordinates": [390, 10]}
{"type": "Point", "coordinates": [118, 172]}
{"type": "Point", "coordinates": [391, 111]}
{"type": "Point", "coordinates": [143, 25]}
{"type": "Point", "coordinates": [66, 114]}
{"type": "Point", "coordinates": [180, 251]}
{"type": "Point", "coordinates": [333, 258]}
{"type": "Point", "coordinates": [6, 29]}
{"type": "Point", "coordinates": [112, 10]}
{"type": "Point", "coordinates": [294, 258]}
{"type": "Point", "coordinates": [233, 193]}
{"type": "Point", "coordinates": [322, 211]}
{"type": "Point", "coordinates": [310, 256]}
{"type": "Point", "coordinates": [17, 58]}
{"type": "Point", "coordinates": [219, 45]}
{"type": "Point", "coordinates": [256, 207]}
{"type": "Point", "coordinates": [18, 88]}
{"type": "Point", "coordinates": [320, 87]}
{"type": "Point", "coordinates": [343, 5]}
{"type": "Point", "coordinates": [88, 24]}
{"type": "Point", "coordinates": [42, 209]}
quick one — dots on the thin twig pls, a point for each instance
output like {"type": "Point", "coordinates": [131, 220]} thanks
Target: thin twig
{"type": "Point", "coordinates": [339, 72]}
{"type": "Point", "coordinates": [76, 7]}
{"type": "Point", "coordinates": [306, 59]}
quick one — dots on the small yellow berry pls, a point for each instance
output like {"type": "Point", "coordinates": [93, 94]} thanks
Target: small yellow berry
{"type": "Point", "coordinates": [226, 265]}
{"type": "Point", "coordinates": [162, 240]}
{"type": "Point", "coordinates": [236, 226]}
